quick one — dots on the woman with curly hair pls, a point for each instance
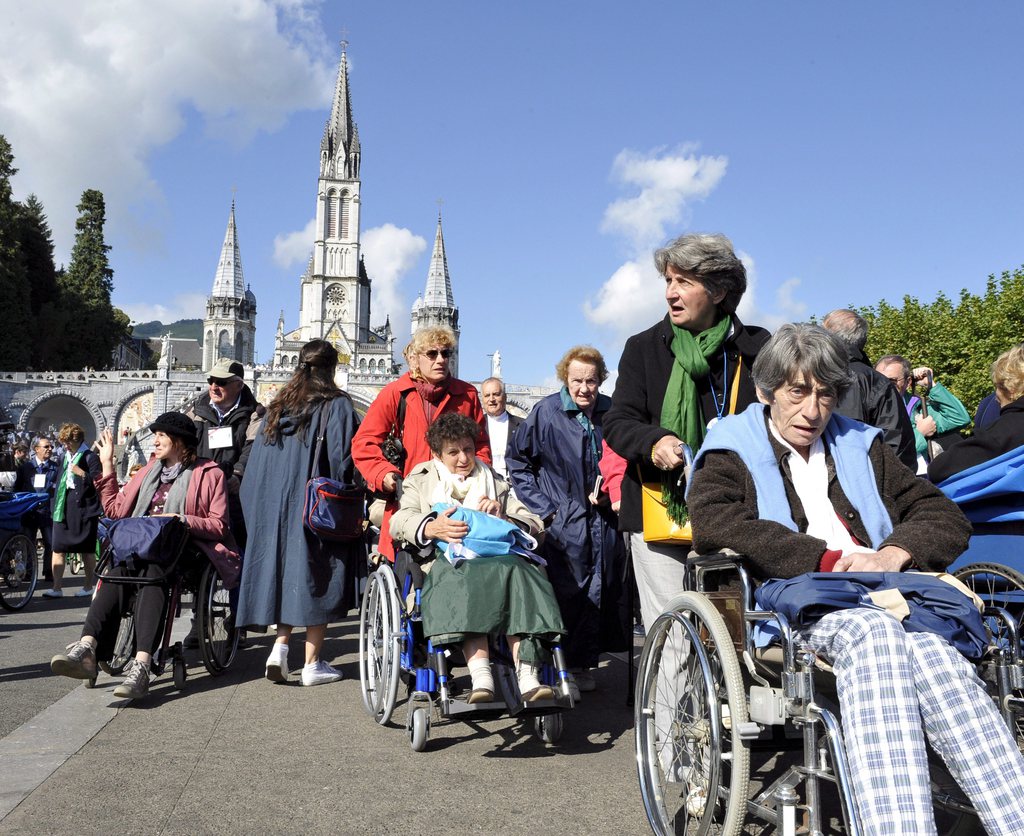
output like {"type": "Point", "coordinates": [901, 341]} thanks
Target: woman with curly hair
{"type": "Point", "coordinates": [290, 578]}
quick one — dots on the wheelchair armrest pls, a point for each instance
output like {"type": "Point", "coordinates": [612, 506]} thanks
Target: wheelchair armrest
{"type": "Point", "coordinates": [725, 557]}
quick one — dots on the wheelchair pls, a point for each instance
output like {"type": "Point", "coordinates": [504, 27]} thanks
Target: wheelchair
{"type": "Point", "coordinates": [18, 558]}
{"type": "Point", "coordinates": [190, 574]}
{"type": "Point", "coordinates": [707, 700]}
{"type": "Point", "coordinates": [393, 650]}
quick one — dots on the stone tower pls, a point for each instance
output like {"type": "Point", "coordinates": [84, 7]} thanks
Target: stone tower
{"type": "Point", "coordinates": [437, 305]}
{"type": "Point", "coordinates": [335, 288]}
{"type": "Point", "coordinates": [229, 329]}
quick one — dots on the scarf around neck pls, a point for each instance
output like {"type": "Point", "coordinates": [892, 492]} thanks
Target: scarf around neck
{"type": "Point", "coordinates": [680, 410]}
{"type": "Point", "coordinates": [65, 482]}
{"type": "Point", "coordinates": [463, 490]}
{"type": "Point", "coordinates": [151, 479]}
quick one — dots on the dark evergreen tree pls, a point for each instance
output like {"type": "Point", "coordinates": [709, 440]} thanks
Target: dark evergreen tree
{"type": "Point", "coordinates": [14, 288]}
{"type": "Point", "coordinates": [37, 250]}
{"type": "Point", "coordinates": [93, 329]}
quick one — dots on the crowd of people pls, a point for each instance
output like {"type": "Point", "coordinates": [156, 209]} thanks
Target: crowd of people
{"type": "Point", "coordinates": [809, 459]}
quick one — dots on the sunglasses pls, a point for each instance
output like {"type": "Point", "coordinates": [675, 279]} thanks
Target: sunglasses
{"type": "Point", "coordinates": [223, 384]}
{"type": "Point", "coordinates": [432, 354]}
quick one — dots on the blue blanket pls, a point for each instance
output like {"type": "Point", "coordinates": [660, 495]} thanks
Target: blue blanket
{"type": "Point", "coordinates": [14, 508]}
{"type": "Point", "coordinates": [489, 536]}
{"type": "Point", "coordinates": [990, 492]}
{"type": "Point", "coordinates": [935, 606]}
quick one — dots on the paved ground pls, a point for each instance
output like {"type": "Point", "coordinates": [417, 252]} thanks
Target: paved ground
{"type": "Point", "coordinates": [237, 754]}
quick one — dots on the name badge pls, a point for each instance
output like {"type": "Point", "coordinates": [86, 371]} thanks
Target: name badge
{"type": "Point", "coordinates": [39, 481]}
{"type": "Point", "coordinates": [220, 437]}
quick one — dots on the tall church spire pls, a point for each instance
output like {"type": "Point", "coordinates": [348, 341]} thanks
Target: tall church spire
{"type": "Point", "coordinates": [339, 148]}
{"type": "Point", "coordinates": [228, 282]}
{"type": "Point", "coordinates": [438, 293]}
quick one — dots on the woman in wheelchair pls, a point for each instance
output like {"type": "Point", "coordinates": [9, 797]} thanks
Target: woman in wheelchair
{"type": "Point", "coordinates": [796, 489]}
{"type": "Point", "coordinates": [174, 483]}
{"type": "Point", "coordinates": [464, 603]}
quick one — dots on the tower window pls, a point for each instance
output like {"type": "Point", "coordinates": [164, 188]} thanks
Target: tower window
{"type": "Point", "coordinates": [330, 228]}
{"type": "Point", "coordinates": [345, 200]}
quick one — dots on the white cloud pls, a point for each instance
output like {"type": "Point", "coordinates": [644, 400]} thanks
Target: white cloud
{"type": "Point", "coordinates": [667, 183]}
{"type": "Point", "coordinates": [183, 306]}
{"type": "Point", "coordinates": [390, 252]}
{"type": "Point", "coordinates": [628, 301]}
{"type": "Point", "coordinates": [291, 248]}
{"type": "Point", "coordinates": [89, 89]}
{"type": "Point", "coordinates": [786, 307]}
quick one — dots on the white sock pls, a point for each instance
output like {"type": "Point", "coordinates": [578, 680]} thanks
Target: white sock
{"type": "Point", "coordinates": [527, 675]}
{"type": "Point", "coordinates": [480, 671]}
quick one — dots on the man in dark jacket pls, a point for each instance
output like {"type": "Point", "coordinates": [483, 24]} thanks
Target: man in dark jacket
{"type": "Point", "coordinates": [39, 473]}
{"type": "Point", "coordinates": [225, 419]}
{"type": "Point", "coordinates": [872, 398]}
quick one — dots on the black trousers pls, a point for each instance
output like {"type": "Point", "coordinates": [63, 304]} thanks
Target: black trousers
{"type": "Point", "coordinates": [112, 599]}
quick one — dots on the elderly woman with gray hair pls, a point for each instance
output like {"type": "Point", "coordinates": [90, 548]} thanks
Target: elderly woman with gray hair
{"type": "Point", "coordinates": [675, 379]}
{"type": "Point", "coordinates": [797, 488]}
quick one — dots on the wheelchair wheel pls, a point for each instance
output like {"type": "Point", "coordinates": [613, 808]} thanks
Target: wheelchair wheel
{"type": "Point", "coordinates": [379, 644]}
{"type": "Point", "coordinates": [18, 576]}
{"type": "Point", "coordinates": [419, 729]}
{"type": "Point", "coordinates": [218, 639]}
{"type": "Point", "coordinates": [548, 727]}
{"type": "Point", "coordinates": [690, 704]}
{"type": "Point", "coordinates": [124, 646]}
{"type": "Point", "coordinates": [997, 586]}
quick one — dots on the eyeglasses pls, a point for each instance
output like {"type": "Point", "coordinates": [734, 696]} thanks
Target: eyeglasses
{"type": "Point", "coordinates": [223, 384]}
{"type": "Point", "coordinates": [45, 446]}
{"type": "Point", "coordinates": [432, 353]}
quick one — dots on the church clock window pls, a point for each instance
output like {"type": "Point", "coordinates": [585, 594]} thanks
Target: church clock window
{"type": "Point", "coordinates": [336, 298]}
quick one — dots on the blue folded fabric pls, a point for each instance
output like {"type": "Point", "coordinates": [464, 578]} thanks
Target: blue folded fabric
{"type": "Point", "coordinates": [488, 536]}
{"type": "Point", "coordinates": [990, 492]}
{"type": "Point", "coordinates": [12, 509]}
{"type": "Point", "coordinates": [935, 606]}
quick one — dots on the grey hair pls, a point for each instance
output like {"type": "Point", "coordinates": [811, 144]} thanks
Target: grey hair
{"type": "Point", "coordinates": [798, 351]}
{"type": "Point", "coordinates": [39, 439]}
{"type": "Point", "coordinates": [895, 358]}
{"type": "Point", "coordinates": [711, 259]}
{"type": "Point", "coordinates": [848, 325]}
{"type": "Point", "coordinates": [497, 380]}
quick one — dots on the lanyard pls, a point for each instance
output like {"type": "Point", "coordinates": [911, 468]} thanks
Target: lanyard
{"type": "Point", "coordinates": [720, 407]}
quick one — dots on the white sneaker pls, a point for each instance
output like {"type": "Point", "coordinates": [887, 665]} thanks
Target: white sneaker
{"type": "Point", "coordinates": [83, 592]}
{"type": "Point", "coordinates": [277, 663]}
{"type": "Point", "coordinates": [53, 593]}
{"type": "Point", "coordinates": [320, 673]}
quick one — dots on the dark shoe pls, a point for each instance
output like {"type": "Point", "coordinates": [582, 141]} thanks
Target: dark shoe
{"type": "Point", "coordinates": [478, 695]}
{"type": "Point", "coordinates": [541, 692]}
{"type": "Point", "coordinates": [79, 662]}
{"type": "Point", "coordinates": [136, 682]}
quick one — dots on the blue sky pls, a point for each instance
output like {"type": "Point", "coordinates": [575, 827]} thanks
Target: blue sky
{"type": "Point", "coordinates": [852, 152]}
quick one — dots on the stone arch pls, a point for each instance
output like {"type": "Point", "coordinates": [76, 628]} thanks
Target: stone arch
{"type": "Point", "coordinates": [83, 412]}
{"type": "Point", "coordinates": [124, 402]}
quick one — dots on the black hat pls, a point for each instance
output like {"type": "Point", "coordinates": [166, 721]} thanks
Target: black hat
{"type": "Point", "coordinates": [176, 424]}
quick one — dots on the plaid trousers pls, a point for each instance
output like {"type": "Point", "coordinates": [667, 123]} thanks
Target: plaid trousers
{"type": "Point", "coordinates": [894, 689]}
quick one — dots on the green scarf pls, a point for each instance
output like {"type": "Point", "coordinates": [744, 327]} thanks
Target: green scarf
{"type": "Point", "coordinates": [680, 411]}
{"type": "Point", "coordinates": [60, 498]}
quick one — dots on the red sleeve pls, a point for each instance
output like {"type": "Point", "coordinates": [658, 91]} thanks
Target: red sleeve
{"type": "Point", "coordinates": [613, 469]}
{"type": "Point", "coordinates": [828, 560]}
{"type": "Point", "coordinates": [210, 518]}
{"type": "Point", "coordinates": [476, 412]}
{"type": "Point", "coordinates": [379, 420]}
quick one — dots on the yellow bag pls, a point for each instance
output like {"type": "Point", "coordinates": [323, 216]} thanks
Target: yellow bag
{"type": "Point", "coordinates": [659, 527]}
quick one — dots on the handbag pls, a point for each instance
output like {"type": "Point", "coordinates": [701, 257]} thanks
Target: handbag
{"type": "Point", "coordinates": [659, 527]}
{"type": "Point", "coordinates": [332, 511]}
{"type": "Point", "coordinates": [140, 541]}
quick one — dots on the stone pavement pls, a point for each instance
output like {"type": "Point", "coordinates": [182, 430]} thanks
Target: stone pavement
{"type": "Point", "coordinates": [238, 754]}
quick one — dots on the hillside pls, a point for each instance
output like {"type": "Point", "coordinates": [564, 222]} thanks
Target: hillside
{"type": "Point", "coordinates": [182, 329]}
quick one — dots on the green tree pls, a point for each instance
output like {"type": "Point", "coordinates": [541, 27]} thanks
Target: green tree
{"type": "Point", "coordinates": [93, 329]}
{"type": "Point", "coordinates": [14, 288]}
{"type": "Point", "coordinates": [36, 241]}
{"type": "Point", "coordinates": [958, 341]}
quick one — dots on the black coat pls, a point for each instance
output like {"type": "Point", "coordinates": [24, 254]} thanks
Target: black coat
{"type": "Point", "coordinates": [633, 425]}
{"type": "Point", "coordinates": [874, 400]}
{"type": "Point", "coordinates": [1004, 434]}
{"type": "Point", "coordinates": [232, 460]}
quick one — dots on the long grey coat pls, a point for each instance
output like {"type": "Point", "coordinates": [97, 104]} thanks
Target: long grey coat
{"type": "Point", "coordinates": [288, 577]}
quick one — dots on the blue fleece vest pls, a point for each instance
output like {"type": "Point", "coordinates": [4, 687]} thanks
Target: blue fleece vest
{"type": "Point", "coordinates": [848, 442]}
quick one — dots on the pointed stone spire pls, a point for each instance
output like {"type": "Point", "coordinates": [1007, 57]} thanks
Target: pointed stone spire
{"type": "Point", "coordinates": [438, 293]}
{"type": "Point", "coordinates": [228, 282]}
{"type": "Point", "coordinates": [339, 148]}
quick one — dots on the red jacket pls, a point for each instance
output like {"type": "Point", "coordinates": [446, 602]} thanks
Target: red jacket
{"type": "Point", "coordinates": [206, 513]}
{"type": "Point", "coordinates": [380, 419]}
